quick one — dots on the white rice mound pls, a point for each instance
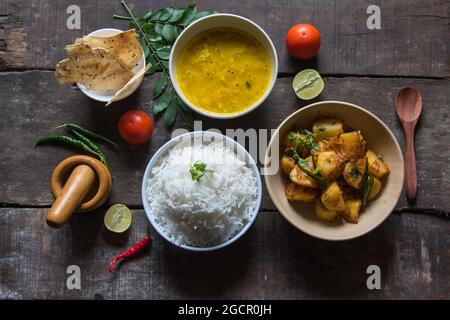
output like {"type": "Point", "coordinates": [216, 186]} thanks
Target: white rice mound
{"type": "Point", "coordinates": [204, 213]}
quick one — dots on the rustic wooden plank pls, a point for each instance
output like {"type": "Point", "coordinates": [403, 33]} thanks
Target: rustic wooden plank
{"type": "Point", "coordinates": [38, 104]}
{"type": "Point", "coordinates": [34, 35]}
{"type": "Point", "coordinates": [272, 261]}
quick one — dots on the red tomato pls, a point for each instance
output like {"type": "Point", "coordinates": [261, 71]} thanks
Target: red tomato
{"type": "Point", "coordinates": [303, 41]}
{"type": "Point", "coordinates": [136, 126]}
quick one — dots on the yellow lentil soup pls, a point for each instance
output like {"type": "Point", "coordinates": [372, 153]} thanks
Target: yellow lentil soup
{"type": "Point", "coordinates": [223, 71]}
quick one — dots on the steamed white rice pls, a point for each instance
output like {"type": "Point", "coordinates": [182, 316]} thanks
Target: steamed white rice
{"type": "Point", "coordinates": [208, 212]}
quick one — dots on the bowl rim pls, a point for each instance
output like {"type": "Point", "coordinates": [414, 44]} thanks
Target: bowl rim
{"type": "Point", "coordinates": [103, 97]}
{"type": "Point", "coordinates": [397, 149]}
{"type": "Point", "coordinates": [163, 150]}
{"type": "Point", "coordinates": [273, 79]}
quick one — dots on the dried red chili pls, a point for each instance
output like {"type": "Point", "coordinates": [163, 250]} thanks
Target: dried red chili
{"type": "Point", "coordinates": [138, 247]}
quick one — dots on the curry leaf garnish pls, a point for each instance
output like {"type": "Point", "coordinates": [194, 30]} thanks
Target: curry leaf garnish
{"type": "Point", "coordinates": [157, 31]}
{"type": "Point", "coordinates": [310, 140]}
{"type": "Point", "coordinates": [294, 137]}
{"type": "Point", "coordinates": [198, 170]}
{"type": "Point", "coordinates": [354, 172]}
{"type": "Point", "coordinates": [305, 139]}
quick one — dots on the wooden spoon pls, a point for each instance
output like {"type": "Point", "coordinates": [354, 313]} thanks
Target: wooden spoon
{"type": "Point", "coordinates": [408, 105]}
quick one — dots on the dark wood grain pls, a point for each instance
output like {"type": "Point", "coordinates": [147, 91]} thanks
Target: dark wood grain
{"type": "Point", "coordinates": [413, 40]}
{"type": "Point", "coordinates": [273, 260]}
{"type": "Point", "coordinates": [32, 103]}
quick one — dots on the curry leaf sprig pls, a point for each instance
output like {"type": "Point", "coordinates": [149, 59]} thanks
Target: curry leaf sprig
{"type": "Point", "coordinates": [306, 139]}
{"type": "Point", "coordinates": [157, 31]}
{"type": "Point", "coordinates": [198, 170]}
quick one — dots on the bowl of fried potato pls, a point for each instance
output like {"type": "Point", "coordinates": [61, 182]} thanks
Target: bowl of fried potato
{"type": "Point", "coordinates": [334, 170]}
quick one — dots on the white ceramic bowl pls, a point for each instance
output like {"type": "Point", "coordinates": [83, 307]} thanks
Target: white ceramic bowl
{"type": "Point", "coordinates": [379, 138]}
{"type": "Point", "coordinates": [106, 96]}
{"type": "Point", "coordinates": [241, 153]}
{"type": "Point", "coordinates": [218, 21]}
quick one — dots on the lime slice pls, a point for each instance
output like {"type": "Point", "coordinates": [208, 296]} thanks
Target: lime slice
{"type": "Point", "coordinates": [118, 218]}
{"type": "Point", "coordinates": [307, 84]}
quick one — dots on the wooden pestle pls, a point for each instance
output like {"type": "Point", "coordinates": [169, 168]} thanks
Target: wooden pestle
{"type": "Point", "coordinates": [80, 181]}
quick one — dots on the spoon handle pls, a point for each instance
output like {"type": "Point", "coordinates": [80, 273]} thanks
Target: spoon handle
{"type": "Point", "coordinates": [410, 162]}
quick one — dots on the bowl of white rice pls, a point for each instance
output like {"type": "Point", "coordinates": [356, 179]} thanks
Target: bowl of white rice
{"type": "Point", "coordinates": [201, 213]}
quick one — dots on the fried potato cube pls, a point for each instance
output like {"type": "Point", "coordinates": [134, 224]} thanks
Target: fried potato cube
{"type": "Point", "coordinates": [352, 210]}
{"type": "Point", "coordinates": [288, 141]}
{"type": "Point", "coordinates": [330, 165]}
{"type": "Point", "coordinates": [352, 145]}
{"type": "Point", "coordinates": [376, 188]}
{"type": "Point", "coordinates": [327, 127]}
{"type": "Point", "coordinates": [332, 198]}
{"type": "Point", "coordinates": [322, 146]}
{"type": "Point", "coordinates": [354, 172]}
{"type": "Point", "coordinates": [295, 192]}
{"type": "Point", "coordinates": [287, 164]}
{"type": "Point", "coordinates": [377, 167]}
{"type": "Point", "coordinates": [323, 213]}
{"type": "Point", "coordinates": [301, 178]}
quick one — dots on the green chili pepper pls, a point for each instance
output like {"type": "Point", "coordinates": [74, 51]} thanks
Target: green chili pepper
{"type": "Point", "coordinates": [303, 165]}
{"type": "Point", "coordinates": [366, 185]}
{"type": "Point", "coordinates": [91, 144]}
{"type": "Point", "coordinates": [87, 133]}
{"type": "Point", "coordinates": [67, 140]}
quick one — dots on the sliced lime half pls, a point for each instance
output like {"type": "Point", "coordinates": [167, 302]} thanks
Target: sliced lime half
{"type": "Point", "coordinates": [307, 84]}
{"type": "Point", "coordinates": [118, 218]}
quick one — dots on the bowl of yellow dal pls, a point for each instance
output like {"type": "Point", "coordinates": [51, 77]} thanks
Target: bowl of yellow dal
{"type": "Point", "coordinates": [223, 66]}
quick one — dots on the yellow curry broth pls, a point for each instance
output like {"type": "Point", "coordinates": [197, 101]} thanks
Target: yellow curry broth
{"type": "Point", "coordinates": [223, 71]}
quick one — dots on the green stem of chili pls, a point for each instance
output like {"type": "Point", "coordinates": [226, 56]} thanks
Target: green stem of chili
{"type": "Point", "coordinates": [322, 182]}
{"type": "Point", "coordinates": [91, 144]}
{"type": "Point", "coordinates": [87, 133]}
{"type": "Point", "coordinates": [366, 186]}
{"type": "Point", "coordinates": [67, 140]}
{"type": "Point", "coordinates": [298, 160]}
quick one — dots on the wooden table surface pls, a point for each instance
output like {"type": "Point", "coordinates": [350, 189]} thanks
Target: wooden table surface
{"type": "Point", "coordinates": [273, 260]}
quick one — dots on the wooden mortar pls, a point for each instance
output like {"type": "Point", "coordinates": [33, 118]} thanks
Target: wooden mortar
{"type": "Point", "coordinates": [79, 184]}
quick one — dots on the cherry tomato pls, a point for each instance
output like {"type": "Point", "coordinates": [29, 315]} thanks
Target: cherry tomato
{"type": "Point", "coordinates": [303, 41]}
{"type": "Point", "coordinates": [136, 126]}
